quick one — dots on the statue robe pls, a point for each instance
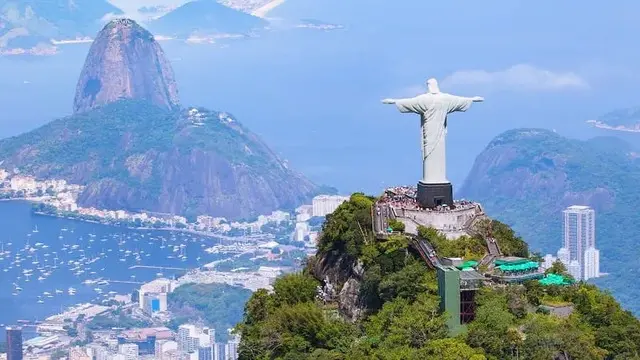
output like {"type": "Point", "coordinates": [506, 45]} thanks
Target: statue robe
{"type": "Point", "coordinates": [433, 110]}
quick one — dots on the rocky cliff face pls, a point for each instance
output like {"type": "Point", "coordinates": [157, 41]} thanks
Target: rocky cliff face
{"type": "Point", "coordinates": [125, 62]}
{"type": "Point", "coordinates": [341, 278]}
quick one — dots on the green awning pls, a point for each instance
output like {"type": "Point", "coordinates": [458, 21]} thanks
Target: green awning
{"type": "Point", "coordinates": [530, 265]}
{"type": "Point", "coordinates": [468, 264]}
{"type": "Point", "coordinates": [554, 279]}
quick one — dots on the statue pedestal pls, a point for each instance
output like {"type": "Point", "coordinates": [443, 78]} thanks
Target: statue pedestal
{"type": "Point", "coordinates": [432, 195]}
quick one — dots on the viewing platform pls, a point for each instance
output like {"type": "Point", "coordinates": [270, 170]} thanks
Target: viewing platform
{"type": "Point", "coordinates": [516, 270]}
{"type": "Point", "coordinates": [400, 203]}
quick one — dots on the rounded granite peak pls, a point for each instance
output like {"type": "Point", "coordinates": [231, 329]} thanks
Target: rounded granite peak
{"type": "Point", "coordinates": [125, 62]}
{"type": "Point", "coordinates": [123, 22]}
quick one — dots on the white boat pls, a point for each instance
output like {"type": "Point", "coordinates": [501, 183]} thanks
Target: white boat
{"type": "Point", "coordinates": [35, 230]}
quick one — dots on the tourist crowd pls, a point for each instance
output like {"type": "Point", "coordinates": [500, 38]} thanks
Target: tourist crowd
{"type": "Point", "coordinates": [404, 197]}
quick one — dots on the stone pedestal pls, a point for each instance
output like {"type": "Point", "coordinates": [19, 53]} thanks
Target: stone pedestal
{"type": "Point", "coordinates": [431, 195]}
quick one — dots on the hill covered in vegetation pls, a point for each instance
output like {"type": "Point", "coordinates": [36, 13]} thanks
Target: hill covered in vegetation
{"type": "Point", "coordinates": [363, 298]}
{"type": "Point", "coordinates": [526, 177]}
{"type": "Point", "coordinates": [133, 155]}
{"type": "Point", "coordinates": [627, 119]}
{"type": "Point", "coordinates": [218, 306]}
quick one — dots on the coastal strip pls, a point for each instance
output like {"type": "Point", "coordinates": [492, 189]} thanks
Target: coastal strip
{"type": "Point", "coordinates": [601, 125]}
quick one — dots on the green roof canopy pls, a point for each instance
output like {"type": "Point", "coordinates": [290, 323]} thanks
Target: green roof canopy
{"type": "Point", "coordinates": [527, 266]}
{"type": "Point", "coordinates": [511, 261]}
{"type": "Point", "coordinates": [554, 279]}
{"type": "Point", "coordinates": [467, 264]}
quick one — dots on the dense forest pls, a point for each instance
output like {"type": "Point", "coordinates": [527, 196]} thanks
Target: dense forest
{"type": "Point", "coordinates": [402, 318]}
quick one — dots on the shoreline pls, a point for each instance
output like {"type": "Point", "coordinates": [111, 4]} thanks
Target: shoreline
{"type": "Point", "coordinates": [600, 125]}
{"type": "Point", "coordinates": [195, 232]}
{"type": "Point", "coordinates": [169, 229]}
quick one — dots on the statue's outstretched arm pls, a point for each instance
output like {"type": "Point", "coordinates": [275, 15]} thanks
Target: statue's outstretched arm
{"type": "Point", "coordinates": [389, 101]}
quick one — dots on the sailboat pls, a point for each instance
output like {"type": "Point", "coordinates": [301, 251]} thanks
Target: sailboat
{"type": "Point", "coordinates": [35, 230]}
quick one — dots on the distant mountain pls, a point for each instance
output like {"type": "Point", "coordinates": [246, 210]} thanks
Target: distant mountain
{"type": "Point", "coordinates": [205, 17]}
{"type": "Point", "coordinates": [28, 22]}
{"type": "Point", "coordinates": [125, 62]}
{"type": "Point", "coordinates": [621, 120]}
{"type": "Point", "coordinates": [526, 177]}
{"type": "Point", "coordinates": [140, 152]}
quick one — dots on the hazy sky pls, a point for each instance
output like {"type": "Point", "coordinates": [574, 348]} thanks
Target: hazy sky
{"type": "Point", "coordinates": [543, 64]}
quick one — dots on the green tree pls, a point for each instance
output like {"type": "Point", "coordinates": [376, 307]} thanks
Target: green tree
{"type": "Point", "coordinates": [558, 268]}
{"type": "Point", "coordinates": [450, 349]}
{"type": "Point", "coordinates": [348, 227]}
{"type": "Point", "coordinates": [549, 337]}
{"type": "Point", "coordinates": [408, 283]}
{"type": "Point", "coordinates": [396, 225]}
{"type": "Point", "coordinates": [401, 323]}
{"type": "Point", "coordinates": [295, 288]}
{"type": "Point", "coordinates": [492, 325]}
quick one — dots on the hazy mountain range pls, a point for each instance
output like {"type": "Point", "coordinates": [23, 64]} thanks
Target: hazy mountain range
{"type": "Point", "coordinates": [32, 24]}
{"type": "Point", "coordinates": [203, 18]}
{"type": "Point", "coordinates": [35, 26]}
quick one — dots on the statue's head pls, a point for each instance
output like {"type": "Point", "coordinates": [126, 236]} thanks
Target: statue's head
{"type": "Point", "coordinates": [432, 85]}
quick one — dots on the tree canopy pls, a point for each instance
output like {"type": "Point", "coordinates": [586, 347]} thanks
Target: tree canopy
{"type": "Point", "coordinates": [402, 318]}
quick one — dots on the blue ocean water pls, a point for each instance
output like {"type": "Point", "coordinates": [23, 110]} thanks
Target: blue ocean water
{"type": "Point", "coordinates": [72, 252]}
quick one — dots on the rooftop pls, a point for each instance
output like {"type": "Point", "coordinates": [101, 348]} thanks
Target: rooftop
{"type": "Point", "coordinates": [578, 208]}
{"type": "Point", "coordinates": [510, 260]}
{"type": "Point", "coordinates": [142, 334]}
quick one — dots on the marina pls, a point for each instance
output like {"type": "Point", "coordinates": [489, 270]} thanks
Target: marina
{"type": "Point", "coordinates": [50, 263]}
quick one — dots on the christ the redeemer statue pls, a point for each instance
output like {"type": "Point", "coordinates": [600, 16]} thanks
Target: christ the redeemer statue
{"type": "Point", "coordinates": [433, 107]}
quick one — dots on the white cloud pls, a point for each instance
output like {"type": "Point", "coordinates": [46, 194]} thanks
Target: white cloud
{"type": "Point", "coordinates": [518, 77]}
{"type": "Point", "coordinates": [110, 16]}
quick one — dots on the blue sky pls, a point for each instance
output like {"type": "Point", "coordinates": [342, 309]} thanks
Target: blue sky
{"type": "Point", "coordinates": [314, 96]}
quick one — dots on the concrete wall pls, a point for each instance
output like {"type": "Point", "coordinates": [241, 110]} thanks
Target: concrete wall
{"type": "Point", "coordinates": [451, 223]}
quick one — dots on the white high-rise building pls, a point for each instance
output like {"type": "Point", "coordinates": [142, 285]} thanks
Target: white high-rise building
{"type": "Point", "coordinates": [591, 263]}
{"type": "Point", "coordinates": [231, 348]}
{"type": "Point", "coordinates": [301, 231]}
{"type": "Point", "coordinates": [574, 269]}
{"type": "Point", "coordinates": [130, 351]}
{"type": "Point", "coordinates": [324, 205]}
{"type": "Point", "coordinates": [579, 235]}
{"type": "Point", "coordinates": [548, 261]}
{"type": "Point", "coordinates": [563, 256]}
{"type": "Point", "coordinates": [188, 340]}
{"type": "Point", "coordinates": [163, 347]}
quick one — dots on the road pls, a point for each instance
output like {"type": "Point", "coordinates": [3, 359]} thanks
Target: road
{"type": "Point", "coordinates": [381, 218]}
